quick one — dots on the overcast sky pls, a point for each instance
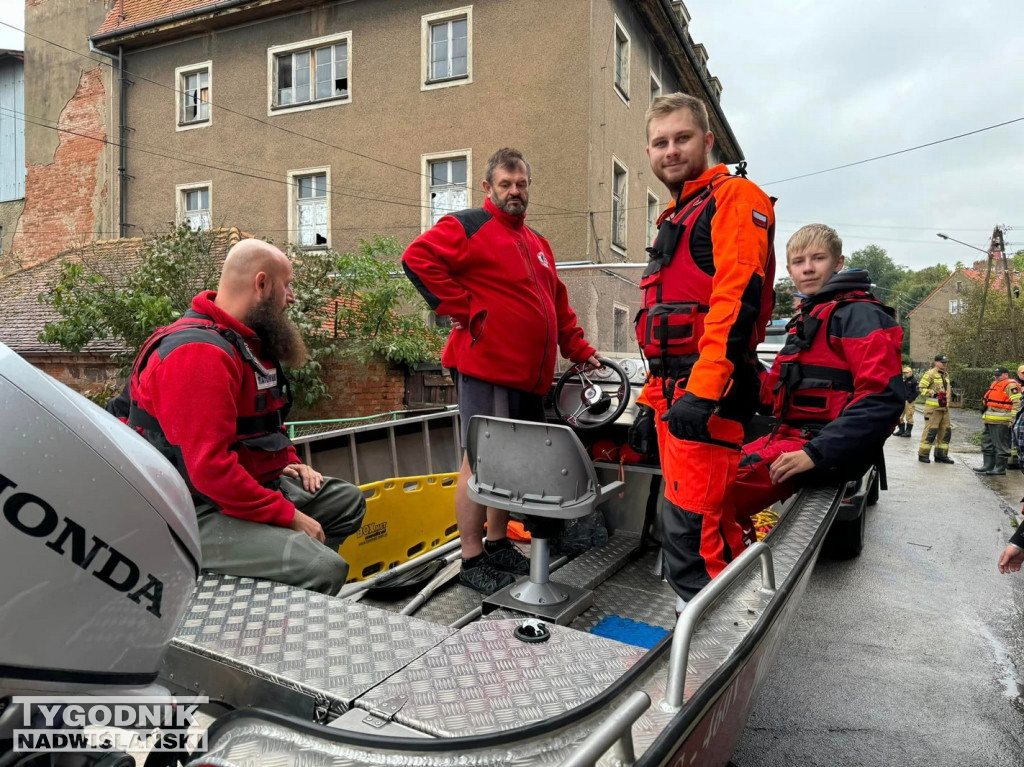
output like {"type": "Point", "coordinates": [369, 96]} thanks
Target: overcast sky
{"type": "Point", "coordinates": [12, 12]}
{"type": "Point", "coordinates": [809, 85]}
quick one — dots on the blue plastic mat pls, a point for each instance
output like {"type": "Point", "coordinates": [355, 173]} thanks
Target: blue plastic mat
{"type": "Point", "coordinates": [629, 632]}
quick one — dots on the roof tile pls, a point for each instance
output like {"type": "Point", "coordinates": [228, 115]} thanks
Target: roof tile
{"type": "Point", "coordinates": [22, 315]}
{"type": "Point", "coordinates": [128, 13]}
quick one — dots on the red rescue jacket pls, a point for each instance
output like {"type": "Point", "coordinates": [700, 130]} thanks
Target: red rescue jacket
{"type": "Point", "coordinates": [839, 374]}
{"type": "Point", "coordinates": [203, 393]}
{"type": "Point", "coordinates": [496, 277]}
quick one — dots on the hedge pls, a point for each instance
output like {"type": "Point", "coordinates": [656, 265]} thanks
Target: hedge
{"type": "Point", "coordinates": [974, 382]}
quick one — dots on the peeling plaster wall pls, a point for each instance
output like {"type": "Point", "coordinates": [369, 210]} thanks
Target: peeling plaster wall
{"type": "Point", "coordinates": [71, 184]}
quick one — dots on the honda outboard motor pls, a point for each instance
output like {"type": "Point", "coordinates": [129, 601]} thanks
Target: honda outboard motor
{"type": "Point", "coordinates": [99, 550]}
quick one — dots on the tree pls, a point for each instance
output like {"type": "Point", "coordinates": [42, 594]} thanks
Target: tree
{"type": "Point", "coordinates": [884, 272]}
{"type": "Point", "coordinates": [96, 301]}
{"type": "Point", "coordinates": [1018, 261]}
{"type": "Point", "coordinates": [961, 329]}
{"type": "Point", "coordinates": [785, 300]}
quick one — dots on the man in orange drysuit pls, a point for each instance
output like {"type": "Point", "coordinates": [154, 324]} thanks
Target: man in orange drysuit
{"type": "Point", "coordinates": [707, 295]}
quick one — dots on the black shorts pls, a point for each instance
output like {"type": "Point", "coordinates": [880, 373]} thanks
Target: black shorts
{"type": "Point", "coordinates": [478, 397]}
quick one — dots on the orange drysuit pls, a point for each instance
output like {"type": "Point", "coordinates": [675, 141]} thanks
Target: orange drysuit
{"type": "Point", "coordinates": [708, 294]}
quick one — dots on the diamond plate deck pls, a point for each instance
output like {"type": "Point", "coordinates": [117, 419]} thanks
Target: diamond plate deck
{"type": "Point", "coordinates": [485, 680]}
{"type": "Point", "coordinates": [284, 647]}
{"type": "Point", "coordinates": [479, 686]}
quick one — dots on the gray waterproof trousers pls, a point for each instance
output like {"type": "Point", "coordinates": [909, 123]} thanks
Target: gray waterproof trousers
{"type": "Point", "coordinates": [233, 546]}
{"type": "Point", "coordinates": [995, 439]}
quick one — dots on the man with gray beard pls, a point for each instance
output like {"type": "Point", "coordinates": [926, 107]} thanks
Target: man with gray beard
{"type": "Point", "coordinates": [209, 392]}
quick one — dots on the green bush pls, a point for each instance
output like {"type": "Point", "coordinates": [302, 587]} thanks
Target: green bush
{"type": "Point", "coordinates": [975, 382]}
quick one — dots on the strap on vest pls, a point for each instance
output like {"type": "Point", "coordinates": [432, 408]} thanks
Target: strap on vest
{"type": "Point", "coordinates": [253, 424]}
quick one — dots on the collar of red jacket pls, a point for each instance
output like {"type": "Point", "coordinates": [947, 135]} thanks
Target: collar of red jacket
{"type": "Point", "coordinates": [512, 222]}
{"type": "Point", "coordinates": [204, 304]}
{"type": "Point", "coordinates": [692, 187]}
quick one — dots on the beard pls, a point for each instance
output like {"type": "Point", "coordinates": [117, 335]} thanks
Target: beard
{"type": "Point", "coordinates": [513, 206]}
{"type": "Point", "coordinates": [277, 333]}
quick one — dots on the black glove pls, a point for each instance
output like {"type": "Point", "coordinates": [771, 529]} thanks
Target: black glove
{"type": "Point", "coordinates": [642, 435]}
{"type": "Point", "coordinates": [688, 417]}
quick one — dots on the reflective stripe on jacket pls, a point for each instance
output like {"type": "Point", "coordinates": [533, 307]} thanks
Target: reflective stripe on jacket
{"type": "Point", "coordinates": [1000, 402]}
{"type": "Point", "coordinates": [933, 382]}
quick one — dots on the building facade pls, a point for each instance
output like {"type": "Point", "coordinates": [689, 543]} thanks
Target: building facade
{"type": "Point", "coordinates": [70, 119]}
{"type": "Point", "coordinates": [322, 124]}
{"type": "Point", "coordinates": [12, 144]}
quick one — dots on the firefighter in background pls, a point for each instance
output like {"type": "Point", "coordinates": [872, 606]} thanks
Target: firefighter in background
{"type": "Point", "coordinates": [1000, 406]}
{"type": "Point", "coordinates": [1014, 463]}
{"type": "Point", "coordinates": [912, 390]}
{"type": "Point", "coordinates": [707, 295]}
{"type": "Point", "coordinates": [937, 428]}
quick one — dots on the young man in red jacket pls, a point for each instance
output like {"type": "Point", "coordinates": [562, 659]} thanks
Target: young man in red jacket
{"type": "Point", "coordinates": [209, 392]}
{"type": "Point", "coordinates": [836, 387]}
{"type": "Point", "coordinates": [495, 277]}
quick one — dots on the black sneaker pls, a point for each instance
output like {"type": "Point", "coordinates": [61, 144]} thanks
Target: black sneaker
{"type": "Point", "coordinates": [485, 577]}
{"type": "Point", "coordinates": [508, 559]}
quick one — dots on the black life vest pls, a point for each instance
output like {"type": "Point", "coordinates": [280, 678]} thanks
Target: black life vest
{"type": "Point", "coordinates": [810, 381]}
{"type": "Point", "coordinates": [260, 422]}
{"type": "Point", "coordinates": [675, 290]}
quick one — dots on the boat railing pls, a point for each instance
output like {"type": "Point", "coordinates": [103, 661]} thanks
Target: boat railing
{"type": "Point", "coordinates": [615, 731]}
{"type": "Point", "coordinates": [686, 626]}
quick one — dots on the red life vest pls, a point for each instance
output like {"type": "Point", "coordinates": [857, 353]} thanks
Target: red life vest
{"type": "Point", "coordinates": [810, 382]}
{"type": "Point", "coordinates": [675, 290]}
{"type": "Point", "coordinates": [260, 422]}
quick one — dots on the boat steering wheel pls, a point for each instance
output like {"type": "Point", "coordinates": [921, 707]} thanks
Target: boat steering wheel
{"type": "Point", "coordinates": [599, 402]}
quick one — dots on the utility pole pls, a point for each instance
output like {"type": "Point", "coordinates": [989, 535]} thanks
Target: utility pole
{"type": "Point", "coordinates": [984, 299]}
{"type": "Point", "coordinates": [998, 240]}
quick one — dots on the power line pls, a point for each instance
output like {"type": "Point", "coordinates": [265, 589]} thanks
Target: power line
{"type": "Point", "coordinates": [255, 119]}
{"type": "Point", "coordinates": [200, 159]}
{"type": "Point", "coordinates": [901, 151]}
{"type": "Point", "coordinates": [213, 167]}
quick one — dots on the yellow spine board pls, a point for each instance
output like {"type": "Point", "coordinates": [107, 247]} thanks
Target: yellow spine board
{"type": "Point", "coordinates": [405, 517]}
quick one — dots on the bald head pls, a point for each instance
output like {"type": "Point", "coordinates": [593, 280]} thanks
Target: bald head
{"type": "Point", "coordinates": [254, 271]}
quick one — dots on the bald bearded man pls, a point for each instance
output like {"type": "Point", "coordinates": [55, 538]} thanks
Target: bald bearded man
{"type": "Point", "coordinates": [210, 393]}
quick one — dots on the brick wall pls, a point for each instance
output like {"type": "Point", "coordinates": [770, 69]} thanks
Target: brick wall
{"type": "Point", "coordinates": [61, 197]}
{"type": "Point", "coordinates": [358, 389]}
{"type": "Point", "coordinates": [85, 373]}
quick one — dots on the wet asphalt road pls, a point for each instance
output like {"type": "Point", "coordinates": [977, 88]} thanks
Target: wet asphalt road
{"type": "Point", "coordinates": [912, 653]}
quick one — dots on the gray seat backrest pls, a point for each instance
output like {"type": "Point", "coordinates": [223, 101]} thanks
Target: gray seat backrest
{"type": "Point", "coordinates": [532, 468]}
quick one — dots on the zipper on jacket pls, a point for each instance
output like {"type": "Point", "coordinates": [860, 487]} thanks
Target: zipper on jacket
{"type": "Point", "coordinates": [525, 251]}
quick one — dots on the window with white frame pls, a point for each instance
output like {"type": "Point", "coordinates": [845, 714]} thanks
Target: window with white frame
{"type": "Point", "coordinates": [653, 211]}
{"type": "Point", "coordinates": [447, 41]}
{"type": "Point", "coordinates": [957, 305]}
{"type": "Point", "coordinates": [193, 93]}
{"type": "Point", "coordinates": [447, 189]}
{"type": "Point", "coordinates": [619, 204]}
{"type": "Point", "coordinates": [310, 74]}
{"type": "Point", "coordinates": [621, 63]}
{"type": "Point", "coordinates": [655, 87]}
{"type": "Point", "coordinates": [194, 205]}
{"type": "Point", "coordinates": [309, 209]}
{"type": "Point", "coordinates": [620, 328]}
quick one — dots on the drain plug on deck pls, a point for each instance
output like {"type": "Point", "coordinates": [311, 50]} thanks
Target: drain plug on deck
{"type": "Point", "coordinates": [532, 631]}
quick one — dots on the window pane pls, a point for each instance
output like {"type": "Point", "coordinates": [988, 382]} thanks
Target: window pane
{"type": "Point", "coordinates": [459, 28]}
{"type": "Point", "coordinates": [341, 69]}
{"type": "Point", "coordinates": [284, 79]}
{"type": "Point", "coordinates": [439, 172]}
{"type": "Point", "coordinates": [458, 67]}
{"type": "Point", "coordinates": [305, 187]}
{"type": "Point", "coordinates": [324, 87]}
{"type": "Point", "coordinates": [458, 171]}
{"type": "Point", "coordinates": [320, 185]}
{"type": "Point", "coordinates": [302, 77]}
